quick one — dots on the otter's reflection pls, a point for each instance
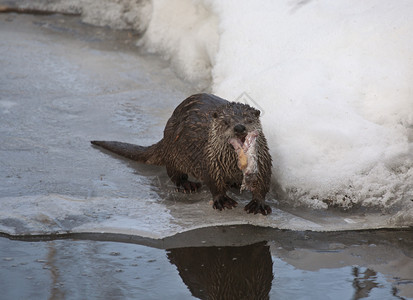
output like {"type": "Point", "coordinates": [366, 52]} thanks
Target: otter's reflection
{"type": "Point", "coordinates": [225, 272]}
{"type": "Point", "coordinates": [364, 282]}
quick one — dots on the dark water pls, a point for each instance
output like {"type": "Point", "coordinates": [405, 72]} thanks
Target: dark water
{"type": "Point", "coordinates": [272, 264]}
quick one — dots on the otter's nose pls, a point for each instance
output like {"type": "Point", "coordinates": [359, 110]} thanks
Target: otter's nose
{"type": "Point", "coordinates": [239, 128]}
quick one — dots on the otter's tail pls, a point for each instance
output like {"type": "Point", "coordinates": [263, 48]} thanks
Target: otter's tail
{"type": "Point", "coordinates": [149, 155]}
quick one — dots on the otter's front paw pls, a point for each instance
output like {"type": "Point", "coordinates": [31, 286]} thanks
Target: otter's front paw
{"type": "Point", "coordinates": [223, 201]}
{"type": "Point", "coordinates": [257, 207]}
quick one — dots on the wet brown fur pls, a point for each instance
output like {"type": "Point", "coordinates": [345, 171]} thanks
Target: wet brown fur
{"type": "Point", "coordinates": [196, 143]}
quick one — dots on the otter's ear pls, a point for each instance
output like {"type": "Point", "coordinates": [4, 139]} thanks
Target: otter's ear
{"type": "Point", "coordinates": [257, 113]}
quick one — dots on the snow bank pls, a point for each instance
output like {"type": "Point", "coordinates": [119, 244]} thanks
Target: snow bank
{"type": "Point", "coordinates": [334, 80]}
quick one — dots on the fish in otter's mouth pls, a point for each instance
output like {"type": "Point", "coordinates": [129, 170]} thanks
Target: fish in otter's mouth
{"type": "Point", "coordinates": [247, 158]}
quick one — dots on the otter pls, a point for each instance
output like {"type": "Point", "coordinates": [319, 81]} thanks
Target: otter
{"type": "Point", "coordinates": [209, 138]}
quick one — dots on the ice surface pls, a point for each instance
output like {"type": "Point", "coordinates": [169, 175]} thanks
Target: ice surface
{"type": "Point", "coordinates": [64, 83]}
{"type": "Point", "coordinates": [58, 92]}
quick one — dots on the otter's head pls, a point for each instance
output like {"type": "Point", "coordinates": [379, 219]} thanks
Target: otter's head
{"type": "Point", "coordinates": [235, 120]}
{"type": "Point", "coordinates": [236, 141]}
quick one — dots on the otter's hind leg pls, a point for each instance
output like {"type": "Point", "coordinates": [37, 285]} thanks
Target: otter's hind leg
{"type": "Point", "coordinates": [181, 180]}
